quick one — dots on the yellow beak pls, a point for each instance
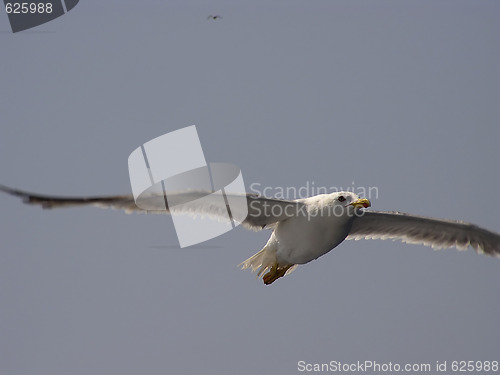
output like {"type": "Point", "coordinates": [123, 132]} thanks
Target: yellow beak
{"type": "Point", "coordinates": [362, 202]}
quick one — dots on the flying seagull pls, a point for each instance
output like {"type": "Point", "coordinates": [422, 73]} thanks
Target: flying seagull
{"type": "Point", "coordinates": [302, 229]}
{"type": "Point", "coordinates": [214, 17]}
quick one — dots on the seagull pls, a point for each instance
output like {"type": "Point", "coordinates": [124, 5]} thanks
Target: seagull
{"type": "Point", "coordinates": [303, 229]}
{"type": "Point", "coordinates": [214, 17]}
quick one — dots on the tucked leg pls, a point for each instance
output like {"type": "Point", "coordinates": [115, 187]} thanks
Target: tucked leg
{"type": "Point", "coordinates": [275, 273]}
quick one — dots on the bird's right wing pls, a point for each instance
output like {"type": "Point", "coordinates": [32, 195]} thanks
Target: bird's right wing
{"type": "Point", "coordinates": [414, 229]}
{"type": "Point", "coordinates": [121, 202]}
{"type": "Point", "coordinates": [253, 211]}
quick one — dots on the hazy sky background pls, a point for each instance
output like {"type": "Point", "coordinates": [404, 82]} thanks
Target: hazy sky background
{"type": "Point", "coordinates": [398, 95]}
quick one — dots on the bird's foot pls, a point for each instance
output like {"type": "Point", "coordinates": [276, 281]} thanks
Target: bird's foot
{"type": "Point", "coordinates": [275, 273]}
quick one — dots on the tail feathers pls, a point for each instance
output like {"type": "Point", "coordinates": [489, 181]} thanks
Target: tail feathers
{"type": "Point", "coordinates": [264, 260]}
{"type": "Point", "coordinates": [260, 262]}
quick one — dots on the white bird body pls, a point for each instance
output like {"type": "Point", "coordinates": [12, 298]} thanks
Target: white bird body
{"type": "Point", "coordinates": [322, 223]}
{"type": "Point", "coordinates": [307, 237]}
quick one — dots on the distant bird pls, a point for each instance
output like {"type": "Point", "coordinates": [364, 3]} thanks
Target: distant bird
{"type": "Point", "coordinates": [214, 17]}
{"type": "Point", "coordinates": [303, 229]}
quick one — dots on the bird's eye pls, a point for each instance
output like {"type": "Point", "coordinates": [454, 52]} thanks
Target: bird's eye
{"type": "Point", "coordinates": [341, 198]}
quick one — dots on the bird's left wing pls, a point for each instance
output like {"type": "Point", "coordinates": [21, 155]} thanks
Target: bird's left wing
{"type": "Point", "coordinates": [253, 211]}
{"type": "Point", "coordinates": [414, 229]}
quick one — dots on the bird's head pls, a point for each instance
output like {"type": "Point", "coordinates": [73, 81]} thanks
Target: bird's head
{"type": "Point", "coordinates": [347, 199]}
{"type": "Point", "coordinates": [339, 204]}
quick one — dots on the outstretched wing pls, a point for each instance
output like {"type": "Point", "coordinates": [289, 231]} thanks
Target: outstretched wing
{"type": "Point", "coordinates": [414, 229]}
{"type": "Point", "coordinates": [260, 212]}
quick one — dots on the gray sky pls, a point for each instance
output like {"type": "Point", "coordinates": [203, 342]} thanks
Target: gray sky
{"type": "Point", "coordinates": [398, 95]}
